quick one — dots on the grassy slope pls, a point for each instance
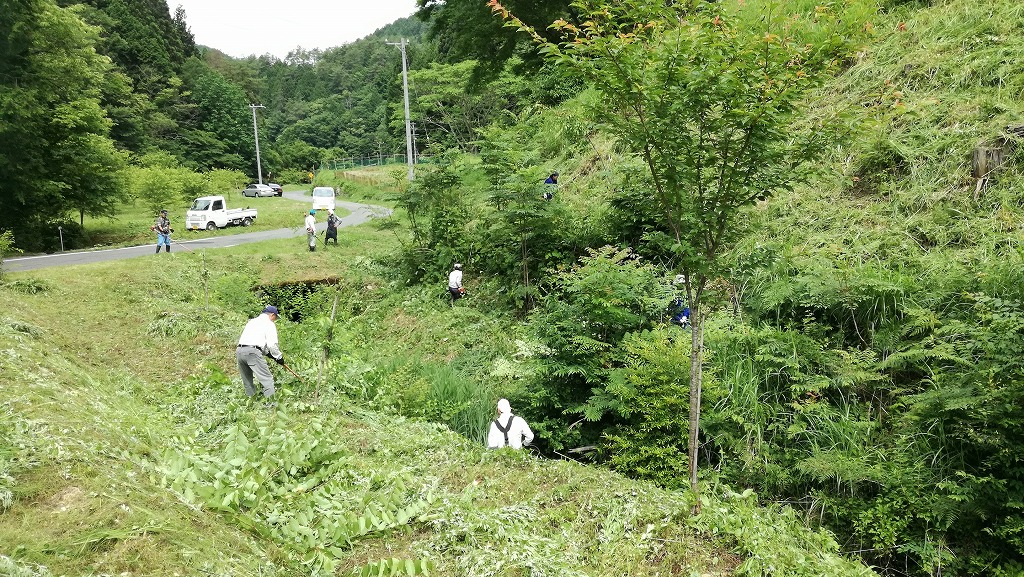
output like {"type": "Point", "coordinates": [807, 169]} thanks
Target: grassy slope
{"type": "Point", "coordinates": [109, 369]}
{"type": "Point", "coordinates": [900, 194]}
{"type": "Point", "coordinates": [937, 82]}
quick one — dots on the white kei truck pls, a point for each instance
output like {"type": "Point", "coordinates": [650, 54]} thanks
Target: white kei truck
{"type": "Point", "coordinates": [211, 213]}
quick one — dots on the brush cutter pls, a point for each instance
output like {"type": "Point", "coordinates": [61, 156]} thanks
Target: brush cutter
{"type": "Point", "coordinates": [294, 373]}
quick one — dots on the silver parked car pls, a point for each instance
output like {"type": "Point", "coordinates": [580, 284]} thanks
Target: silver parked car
{"type": "Point", "coordinates": [255, 190]}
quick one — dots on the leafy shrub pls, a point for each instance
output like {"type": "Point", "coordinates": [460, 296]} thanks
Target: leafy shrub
{"type": "Point", "coordinates": [633, 212]}
{"type": "Point", "coordinates": [289, 176]}
{"type": "Point", "coordinates": [157, 187]}
{"type": "Point", "coordinates": [6, 248]}
{"type": "Point", "coordinates": [438, 393]}
{"type": "Point", "coordinates": [591, 309]}
{"type": "Point", "coordinates": [974, 406]}
{"type": "Point", "coordinates": [45, 235]}
{"type": "Point", "coordinates": [524, 234]}
{"type": "Point", "coordinates": [773, 539]}
{"type": "Point", "coordinates": [650, 397]}
{"type": "Point", "coordinates": [161, 183]}
{"type": "Point", "coordinates": [437, 217]}
{"type": "Point", "coordinates": [193, 185]}
{"type": "Point", "coordinates": [223, 181]}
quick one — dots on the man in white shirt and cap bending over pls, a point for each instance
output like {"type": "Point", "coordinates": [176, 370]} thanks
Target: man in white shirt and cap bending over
{"type": "Point", "coordinates": [508, 430]}
{"type": "Point", "coordinates": [259, 338]}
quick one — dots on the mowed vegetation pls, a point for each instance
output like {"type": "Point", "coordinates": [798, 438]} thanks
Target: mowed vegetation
{"type": "Point", "coordinates": [134, 450]}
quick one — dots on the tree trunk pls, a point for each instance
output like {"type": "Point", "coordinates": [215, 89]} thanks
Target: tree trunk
{"type": "Point", "coordinates": [696, 384]}
{"type": "Point", "coordinates": [327, 346]}
{"type": "Point", "coordinates": [528, 300]}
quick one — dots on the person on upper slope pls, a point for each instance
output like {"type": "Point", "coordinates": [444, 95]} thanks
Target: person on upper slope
{"type": "Point", "coordinates": [680, 312]}
{"type": "Point", "coordinates": [552, 186]}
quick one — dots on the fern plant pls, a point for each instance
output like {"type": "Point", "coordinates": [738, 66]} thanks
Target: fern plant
{"type": "Point", "coordinates": [393, 568]}
{"type": "Point", "coordinates": [286, 480]}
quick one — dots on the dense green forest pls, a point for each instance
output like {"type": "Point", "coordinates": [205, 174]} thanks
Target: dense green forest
{"type": "Point", "coordinates": [834, 192]}
{"type": "Point", "coordinates": [97, 92]}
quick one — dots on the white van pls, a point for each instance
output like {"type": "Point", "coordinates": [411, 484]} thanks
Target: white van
{"type": "Point", "coordinates": [323, 198]}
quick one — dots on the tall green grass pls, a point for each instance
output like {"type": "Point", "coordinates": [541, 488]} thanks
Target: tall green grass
{"type": "Point", "coordinates": [433, 392]}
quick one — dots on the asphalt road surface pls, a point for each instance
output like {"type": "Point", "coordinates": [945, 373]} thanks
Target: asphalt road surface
{"type": "Point", "coordinates": [358, 214]}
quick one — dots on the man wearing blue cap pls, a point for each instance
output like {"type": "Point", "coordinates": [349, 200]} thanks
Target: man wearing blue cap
{"type": "Point", "coordinates": [259, 338]}
{"type": "Point", "coordinates": [311, 230]}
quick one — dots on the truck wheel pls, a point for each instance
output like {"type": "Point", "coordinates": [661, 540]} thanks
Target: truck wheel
{"type": "Point", "coordinates": [211, 226]}
{"type": "Point", "coordinates": [246, 221]}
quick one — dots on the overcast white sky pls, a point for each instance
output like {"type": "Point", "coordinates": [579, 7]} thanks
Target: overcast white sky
{"type": "Point", "coordinates": [240, 28]}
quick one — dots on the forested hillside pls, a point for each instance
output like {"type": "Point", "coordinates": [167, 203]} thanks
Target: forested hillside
{"type": "Point", "coordinates": [112, 102]}
{"type": "Point", "coordinates": [832, 193]}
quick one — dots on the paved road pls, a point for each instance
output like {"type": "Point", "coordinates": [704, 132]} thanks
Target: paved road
{"type": "Point", "coordinates": [358, 214]}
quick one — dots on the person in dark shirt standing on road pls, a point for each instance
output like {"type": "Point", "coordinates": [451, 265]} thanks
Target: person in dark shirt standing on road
{"type": "Point", "coordinates": [163, 231]}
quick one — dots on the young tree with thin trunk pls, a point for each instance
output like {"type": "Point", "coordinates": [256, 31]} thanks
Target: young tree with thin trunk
{"type": "Point", "coordinates": [709, 95]}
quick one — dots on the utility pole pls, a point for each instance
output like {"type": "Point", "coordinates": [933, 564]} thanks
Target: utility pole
{"type": "Point", "coordinates": [256, 134]}
{"type": "Point", "coordinates": [405, 86]}
{"type": "Point", "coordinates": [415, 147]}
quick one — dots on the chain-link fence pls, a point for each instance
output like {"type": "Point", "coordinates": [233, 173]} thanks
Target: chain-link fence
{"type": "Point", "coordinates": [370, 160]}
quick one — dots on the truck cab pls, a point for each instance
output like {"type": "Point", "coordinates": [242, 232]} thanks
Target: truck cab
{"type": "Point", "coordinates": [211, 213]}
